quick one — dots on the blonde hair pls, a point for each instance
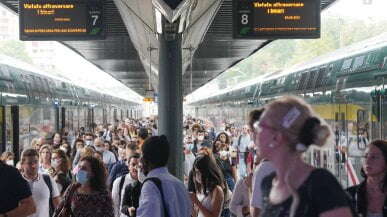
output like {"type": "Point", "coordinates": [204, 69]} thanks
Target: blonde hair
{"type": "Point", "coordinates": [301, 126]}
{"type": "Point", "coordinates": [87, 152]}
{"type": "Point", "coordinates": [65, 163]}
{"type": "Point", "coordinates": [48, 147]}
{"type": "Point", "coordinates": [6, 155]}
{"type": "Point", "coordinates": [297, 121]}
{"type": "Point", "coordinates": [34, 141]}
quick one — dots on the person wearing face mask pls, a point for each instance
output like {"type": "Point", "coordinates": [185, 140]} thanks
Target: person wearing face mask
{"type": "Point", "coordinates": [189, 158]}
{"type": "Point", "coordinates": [62, 175]}
{"type": "Point", "coordinates": [228, 169]}
{"type": "Point", "coordinates": [242, 146]}
{"type": "Point", "coordinates": [223, 159]}
{"type": "Point", "coordinates": [198, 142]}
{"type": "Point", "coordinates": [88, 151]}
{"type": "Point", "coordinates": [79, 144]}
{"type": "Point", "coordinates": [162, 194]}
{"type": "Point", "coordinates": [65, 147]}
{"type": "Point", "coordinates": [89, 138]}
{"type": "Point", "coordinates": [107, 156]}
{"type": "Point", "coordinates": [126, 190]}
{"type": "Point", "coordinates": [8, 158]}
{"type": "Point", "coordinates": [88, 142]}
{"type": "Point", "coordinates": [88, 197]}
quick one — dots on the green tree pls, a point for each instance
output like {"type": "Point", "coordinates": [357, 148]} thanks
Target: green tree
{"type": "Point", "coordinates": [336, 33]}
{"type": "Point", "coordinates": [15, 49]}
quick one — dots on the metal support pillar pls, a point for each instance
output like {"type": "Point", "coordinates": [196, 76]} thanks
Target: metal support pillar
{"type": "Point", "coordinates": [63, 119]}
{"type": "Point", "coordinates": [3, 141]}
{"type": "Point", "coordinates": [57, 118]}
{"type": "Point", "coordinates": [170, 106]}
{"type": "Point", "coordinates": [15, 132]}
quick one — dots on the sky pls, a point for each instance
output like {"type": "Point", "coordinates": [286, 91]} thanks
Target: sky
{"type": "Point", "coordinates": [346, 9]}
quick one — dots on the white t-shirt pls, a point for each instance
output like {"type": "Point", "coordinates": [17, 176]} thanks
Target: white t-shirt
{"type": "Point", "coordinates": [240, 198]}
{"type": "Point", "coordinates": [108, 157]}
{"type": "Point", "coordinates": [117, 202]}
{"type": "Point", "coordinates": [41, 195]}
{"type": "Point", "coordinates": [188, 163]}
{"type": "Point", "coordinates": [264, 169]}
{"type": "Point", "coordinates": [244, 144]}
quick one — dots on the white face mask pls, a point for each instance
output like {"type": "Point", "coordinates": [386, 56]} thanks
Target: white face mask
{"type": "Point", "coordinates": [141, 175]}
{"type": "Point", "coordinates": [9, 162]}
{"type": "Point", "coordinates": [100, 149]}
{"type": "Point", "coordinates": [200, 138]}
{"type": "Point", "coordinates": [54, 163]}
{"type": "Point", "coordinates": [64, 149]}
{"type": "Point", "coordinates": [88, 142]}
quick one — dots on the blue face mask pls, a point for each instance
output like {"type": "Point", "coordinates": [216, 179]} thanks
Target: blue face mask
{"type": "Point", "coordinates": [190, 146]}
{"type": "Point", "coordinates": [82, 177]}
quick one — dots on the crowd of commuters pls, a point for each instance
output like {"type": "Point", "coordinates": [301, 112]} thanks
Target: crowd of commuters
{"type": "Point", "coordinates": [244, 171]}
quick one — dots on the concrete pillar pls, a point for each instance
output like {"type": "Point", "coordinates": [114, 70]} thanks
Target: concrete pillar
{"type": "Point", "coordinates": [170, 106]}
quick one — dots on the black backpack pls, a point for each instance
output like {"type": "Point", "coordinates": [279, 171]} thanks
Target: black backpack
{"type": "Point", "coordinates": [120, 187]}
{"type": "Point", "coordinates": [157, 182]}
{"type": "Point", "coordinates": [47, 180]}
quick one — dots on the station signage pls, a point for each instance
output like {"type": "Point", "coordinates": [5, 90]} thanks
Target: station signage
{"type": "Point", "coordinates": [61, 20]}
{"type": "Point", "coordinates": [272, 19]}
{"type": "Point", "coordinates": [148, 99]}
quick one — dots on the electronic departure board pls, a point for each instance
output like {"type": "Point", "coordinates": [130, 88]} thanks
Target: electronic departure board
{"type": "Point", "coordinates": [61, 20]}
{"type": "Point", "coordinates": [272, 19]}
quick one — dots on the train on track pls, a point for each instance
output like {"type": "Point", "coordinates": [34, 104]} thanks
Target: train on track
{"type": "Point", "coordinates": [346, 87]}
{"type": "Point", "coordinates": [34, 105]}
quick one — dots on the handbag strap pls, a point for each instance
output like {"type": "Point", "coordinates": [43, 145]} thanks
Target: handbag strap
{"type": "Point", "coordinates": [70, 195]}
{"type": "Point", "coordinates": [157, 182]}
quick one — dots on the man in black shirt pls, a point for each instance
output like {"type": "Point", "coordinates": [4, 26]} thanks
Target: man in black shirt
{"type": "Point", "coordinates": [15, 194]}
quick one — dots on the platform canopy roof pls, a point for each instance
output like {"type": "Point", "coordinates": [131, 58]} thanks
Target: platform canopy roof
{"type": "Point", "coordinates": [130, 50]}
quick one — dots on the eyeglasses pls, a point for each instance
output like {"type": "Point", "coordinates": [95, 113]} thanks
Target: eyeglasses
{"type": "Point", "coordinates": [260, 126]}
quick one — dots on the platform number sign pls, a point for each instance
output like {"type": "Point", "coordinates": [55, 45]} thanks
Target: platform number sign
{"type": "Point", "coordinates": [95, 17]}
{"type": "Point", "coordinates": [61, 20]}
{"type": "Point", "coordinates": [244, 17]}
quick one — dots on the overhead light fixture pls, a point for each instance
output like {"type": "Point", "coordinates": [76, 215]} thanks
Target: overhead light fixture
{"type": "Point", "coordinates": [159, 21]}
